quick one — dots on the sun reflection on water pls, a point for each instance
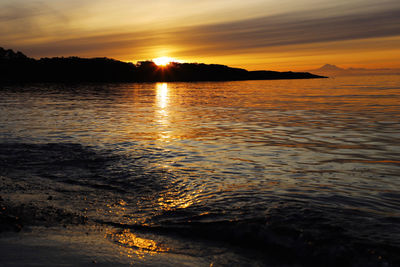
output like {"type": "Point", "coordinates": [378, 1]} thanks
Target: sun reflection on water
{"type": "Point", "coordinates": [162, 97]}
{"type": "Point", "coordinates": [136, 246]}
{"type": "Point", "coordinates": [174, 200]}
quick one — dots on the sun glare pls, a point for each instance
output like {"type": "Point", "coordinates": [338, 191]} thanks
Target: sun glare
{"type": "Point", "coordinates": [163, 61]}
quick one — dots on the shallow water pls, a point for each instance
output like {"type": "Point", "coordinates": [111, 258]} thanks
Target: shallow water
{"type": "Point", "coordinates": [308, 168]}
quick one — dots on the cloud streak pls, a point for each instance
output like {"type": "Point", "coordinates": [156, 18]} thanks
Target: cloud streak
{"type": "Point", "coordinates": [289, 31]}
{"type": "Point", "coordinates": [30, 20]}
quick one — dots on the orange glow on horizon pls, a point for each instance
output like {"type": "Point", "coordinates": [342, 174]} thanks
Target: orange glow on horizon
{"type": "Point", "coordinates": [254, 35]}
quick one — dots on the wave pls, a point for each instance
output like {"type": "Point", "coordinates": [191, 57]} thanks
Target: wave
{"type": "Point", "coordinates": [70, 183]}
{"type": "Point", "coordinates": [290, 235]}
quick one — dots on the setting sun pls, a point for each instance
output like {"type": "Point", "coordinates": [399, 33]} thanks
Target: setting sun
{"type": "Point", "coordinates": [163, 61]}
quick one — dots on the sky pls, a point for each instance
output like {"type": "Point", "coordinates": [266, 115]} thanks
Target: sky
{"type": "Point", "coordinates": [252, 34]}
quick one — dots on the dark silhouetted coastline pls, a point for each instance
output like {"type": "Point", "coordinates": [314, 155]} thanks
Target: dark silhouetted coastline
{"type": "Point", "coordinates": [17, 67]}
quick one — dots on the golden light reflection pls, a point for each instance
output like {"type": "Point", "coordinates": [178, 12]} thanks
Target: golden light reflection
{"type": "Point", "coordinates": [171, 201]}
{"type": "Point", "coordinates": [136, 246]}
{"type": "Point", "coordinates": [162, 95]}
{"type": "Point", "coordinates": [119, 210]}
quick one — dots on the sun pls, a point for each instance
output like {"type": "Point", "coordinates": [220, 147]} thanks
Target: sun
{"type": "Point", "coordinates": [164, 61]}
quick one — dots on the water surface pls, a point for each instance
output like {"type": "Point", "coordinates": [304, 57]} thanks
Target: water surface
{"type": "Point", "coordinates": [308, 168]}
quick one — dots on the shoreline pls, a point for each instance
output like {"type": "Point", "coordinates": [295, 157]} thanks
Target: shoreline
{"type": "Point", "coordinates": [59, 238]}
{"type": "Point", "coordinates": [79, 246]}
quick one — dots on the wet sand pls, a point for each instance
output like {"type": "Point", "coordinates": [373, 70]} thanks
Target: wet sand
{"type": "Point", "coordinates": [48, 236]}
{"type": "Point", "coordinates": [74, 247]}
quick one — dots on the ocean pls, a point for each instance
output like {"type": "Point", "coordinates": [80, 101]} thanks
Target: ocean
{"type": "Point", "coordinates": [244, 173]}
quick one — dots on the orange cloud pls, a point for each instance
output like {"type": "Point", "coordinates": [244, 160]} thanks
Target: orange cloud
{"type": "Point", "coordinates": [295, 39]}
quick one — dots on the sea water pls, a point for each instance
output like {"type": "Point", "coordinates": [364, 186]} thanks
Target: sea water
{"type": "Point", "coordinates": [247, 172]}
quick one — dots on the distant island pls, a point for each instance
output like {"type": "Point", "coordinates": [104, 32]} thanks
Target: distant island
{"type": "Point", "coordinates": [17, 67]}
{"type": "Point", "coordinates": [333, 71]}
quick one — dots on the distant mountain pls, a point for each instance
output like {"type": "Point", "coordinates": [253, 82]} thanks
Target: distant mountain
{"type": "Point", "coordinates": [329, 67]}
{"type": "Point", "coordinates": [333, 70]}
{"type": "Point", "coordinates": [16, 67]}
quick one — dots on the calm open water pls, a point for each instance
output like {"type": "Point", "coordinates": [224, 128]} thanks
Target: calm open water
{"type": "Point", "coordinates": [260, 172]}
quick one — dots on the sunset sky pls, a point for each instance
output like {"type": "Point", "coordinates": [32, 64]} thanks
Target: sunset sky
{"type": "Point", "coordinates": [253, 34]}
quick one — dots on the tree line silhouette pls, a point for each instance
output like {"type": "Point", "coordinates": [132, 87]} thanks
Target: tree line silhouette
{"type": "Point", "coordinates": [17, 67]}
